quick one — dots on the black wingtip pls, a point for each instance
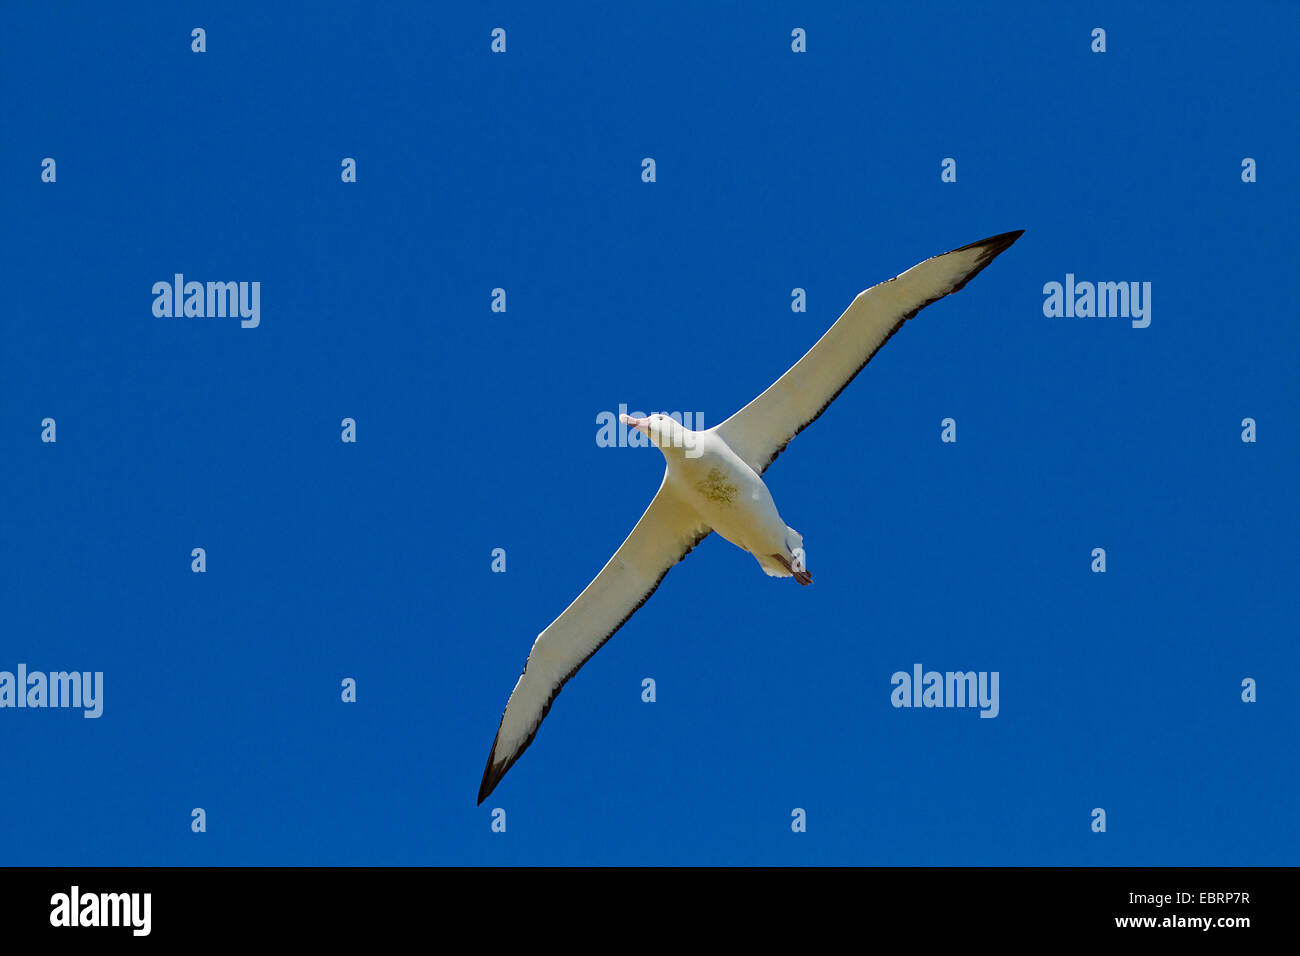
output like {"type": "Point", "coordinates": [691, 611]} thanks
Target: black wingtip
{"type": "Point", "coordinates": [487, 786]}
{"type": "Point", "coordinates": [995, 245]}
{"type": "Point", "coordinates": [492, 775]}
{"type": "Point", "coordinates": [990, 249]}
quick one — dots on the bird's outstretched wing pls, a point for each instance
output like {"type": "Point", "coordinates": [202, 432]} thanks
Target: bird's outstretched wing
{"type": "Point", "coordinates": [666, 533]}
{"type": "Point", "coordinates": [761, 430]}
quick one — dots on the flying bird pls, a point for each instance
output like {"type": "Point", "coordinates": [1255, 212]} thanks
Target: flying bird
{"type": "Point", "coordinates": [714, 482]}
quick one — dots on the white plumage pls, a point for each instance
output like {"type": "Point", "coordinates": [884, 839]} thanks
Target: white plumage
{"type": "Point", "coordinates": [713, 482]}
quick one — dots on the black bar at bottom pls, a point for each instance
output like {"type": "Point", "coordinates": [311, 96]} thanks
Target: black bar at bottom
{"type": "Point", "coordinates": [336, 906]}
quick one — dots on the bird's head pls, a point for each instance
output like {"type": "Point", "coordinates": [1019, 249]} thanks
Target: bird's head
{"type": "Point", "coordinates": [664, 432]}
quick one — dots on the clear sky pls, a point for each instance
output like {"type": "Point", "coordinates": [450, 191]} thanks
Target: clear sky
{"type": "Point", "coordinates": [476, 430]}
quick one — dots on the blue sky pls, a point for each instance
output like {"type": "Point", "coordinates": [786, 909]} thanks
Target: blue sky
{"type": "Point", "coordinates": [476, 430]}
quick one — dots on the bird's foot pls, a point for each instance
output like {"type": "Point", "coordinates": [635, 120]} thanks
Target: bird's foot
{"type": "Point", "coordinates": [802, 576]}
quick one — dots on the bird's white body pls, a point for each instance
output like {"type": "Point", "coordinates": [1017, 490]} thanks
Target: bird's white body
{"type": "Point", "coordinates": [714, 483]}
{"type": "Point", "coordinates": [729, 496]}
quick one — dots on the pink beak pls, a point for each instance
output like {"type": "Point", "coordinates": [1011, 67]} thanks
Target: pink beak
{"type": "Point", "coordinates": [640, 424]}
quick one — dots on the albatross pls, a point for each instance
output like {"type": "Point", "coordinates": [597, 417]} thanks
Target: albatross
{"type": "Point", "coordinates": [714, 482]}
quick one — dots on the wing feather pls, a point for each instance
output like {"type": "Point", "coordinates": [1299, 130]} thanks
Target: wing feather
{"type": "Point", "coordinates": [761, 430]}
{"type": "Point", "coordinates": [666, 533]}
